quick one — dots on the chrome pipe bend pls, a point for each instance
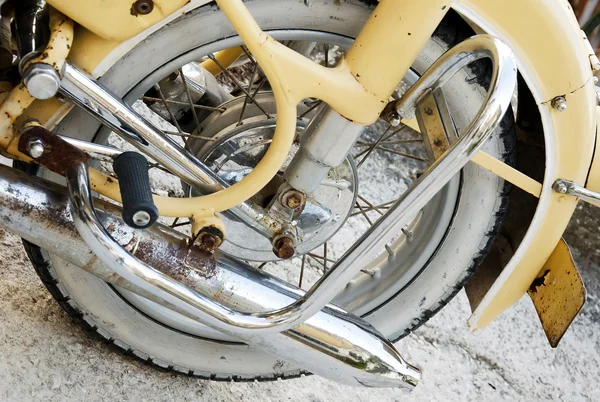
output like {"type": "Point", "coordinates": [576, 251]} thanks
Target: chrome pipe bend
{"type": "Point", "coordinates": [333, 343]}
{"type": "Point", "coordinates": [323, 291]}
{"type": "Point", "coordinates": [136, 272]}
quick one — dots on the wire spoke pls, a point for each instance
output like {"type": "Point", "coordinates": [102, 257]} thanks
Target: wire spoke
{"type": "Point", "coordinates": [370, 150]}
{"type": "Point", "coordinates": [302, 271]}
{"type": "Point", "coordinates": [319, 258]}
{"type": "Point", "coordinates": [174, 102]}
{"type": "Point", "coordinates": [403, 154]}
{"type": "Point", "coordinates": [164, 101]}
{"type": "Point", "coordinates": [364, 213]}
{"type": "Point", "coordinates": [237, 84]}
{"type": "Point", "coordinates": [247, 99]}
{"type": "Point", "coordinates": [200, 137]}
{"type": "Point", "coordinates": [373, 208]}
{"type": "Point", "coordinates": [191, 104]}
{"type": "Point", "coordinates": [310, 109]}
{"type": "Point", "coordinates": [397, 142]}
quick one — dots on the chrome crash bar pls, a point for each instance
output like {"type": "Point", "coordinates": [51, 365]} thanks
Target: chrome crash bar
{"type": "Point", "coordinates": [333, 343]}
{"type": "Point", "coordinates": [373, 241]}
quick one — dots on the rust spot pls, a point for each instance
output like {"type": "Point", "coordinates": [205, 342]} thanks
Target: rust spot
{"type": "Point", "coordinates": [284, 248]}
{"type": "Point", "coordinates": [59, 153]}
{"type": "Point", "coordinates": [539, 281]}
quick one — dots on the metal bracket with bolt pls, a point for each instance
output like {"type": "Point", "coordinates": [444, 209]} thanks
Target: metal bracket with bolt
{"type": "Point", "coordinates": [568, 187]}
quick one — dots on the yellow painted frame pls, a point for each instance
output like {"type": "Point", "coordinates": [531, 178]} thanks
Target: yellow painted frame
{"type": "Point", "coordinates": [552, 57]}
{"type": "Point", "coordinates": [294, 78]}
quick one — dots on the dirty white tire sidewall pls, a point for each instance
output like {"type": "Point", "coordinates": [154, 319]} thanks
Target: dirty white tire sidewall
{"type": "Point", "coordinates": [104, 308]}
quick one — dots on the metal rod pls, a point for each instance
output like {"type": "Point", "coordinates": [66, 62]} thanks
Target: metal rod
{"type": "Point", "coordinates": [333, 343]}
{"type": "Point", "coordinates": [123, 120]}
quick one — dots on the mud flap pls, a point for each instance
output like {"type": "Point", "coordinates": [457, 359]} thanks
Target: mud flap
{"type": "Point", "coordinates": [558, 293]}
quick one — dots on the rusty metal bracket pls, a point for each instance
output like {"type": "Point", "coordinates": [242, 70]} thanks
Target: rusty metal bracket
{"type": "Point", "coordinates": [435, 123]}
{"type": "Point", "coordinates": [558, 293]}
{"type": "Point", "coordinates": [56, 154]}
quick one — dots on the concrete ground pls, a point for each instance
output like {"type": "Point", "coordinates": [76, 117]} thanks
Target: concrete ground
{"type": "Point", "coordinates": [44, 356]}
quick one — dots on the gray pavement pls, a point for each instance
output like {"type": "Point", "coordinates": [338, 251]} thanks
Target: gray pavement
{"type": "Point", "coordinates": [44, 356]}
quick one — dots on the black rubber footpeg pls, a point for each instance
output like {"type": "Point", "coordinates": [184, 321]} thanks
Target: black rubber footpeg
{"type": "Point", "coordinates": [139, 210]}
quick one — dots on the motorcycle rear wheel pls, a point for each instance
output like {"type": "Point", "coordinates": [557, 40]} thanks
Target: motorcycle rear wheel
{"type": "Point", "coordinates": [478, 215]}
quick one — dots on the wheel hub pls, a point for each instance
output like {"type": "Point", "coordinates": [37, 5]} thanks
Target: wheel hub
{"type": "Point", "coordinates": [237, 148]}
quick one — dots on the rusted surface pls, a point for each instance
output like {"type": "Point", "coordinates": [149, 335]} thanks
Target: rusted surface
{"type": "Point", "coordinates": [37, 210]}
{"type": "Point", "coordinates": [58, 155]}
{"type": "Point", "coordinates": [284, 248]}
{"type": "Point", "coordinates": [429, 117]}
{"type": "Point", "coordinates": [558, 293]}
{"type": "Point", "coordinates": [209, 238]}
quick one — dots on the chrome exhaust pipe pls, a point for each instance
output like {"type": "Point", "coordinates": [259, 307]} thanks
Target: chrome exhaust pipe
{"type": "Point", "coordinates": [332, 343]}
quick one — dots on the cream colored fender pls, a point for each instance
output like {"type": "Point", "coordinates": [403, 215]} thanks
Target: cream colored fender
{"type": "Point", "coordinates": [552, 57]}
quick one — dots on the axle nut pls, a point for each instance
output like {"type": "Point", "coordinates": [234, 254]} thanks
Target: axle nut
{"type": "Point", "coordinates": [142, 7]}
{"type": "Point", "coordinates": [293, 199]}
{"type": "Point", "coordinates": [284, 248]}
{"type": "Point", "coordinates": [36, 147]}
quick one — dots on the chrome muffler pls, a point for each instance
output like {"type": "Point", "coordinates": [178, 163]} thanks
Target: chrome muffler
{"type": "Point", "coordinates": [332, 343]}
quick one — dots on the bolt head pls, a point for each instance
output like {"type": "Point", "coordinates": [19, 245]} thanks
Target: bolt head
{"type": "Point", "coordinates": [561, 188]}
{"type": "Point", "coordinates": [141, 218]}
{"type": "Point", "coordinates": [559, 103]}
{"type": "Point", "coordinates": [42, 81]}
{"type": "Point", "coordinates": [209, 240]}
{"type": "Point", "coordinates": [36, 147]}
{"type": "Point", "coordinates": [394, 119]}
{"type": "Point", "coordinates": [284, 248]}
{"type": "Point", "coordinates": [294, 201]}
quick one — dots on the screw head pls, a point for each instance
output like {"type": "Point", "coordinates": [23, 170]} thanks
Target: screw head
{"type": "Point", "coordinates": [141, 218]}
{"type": "Point", "coordinates": [36, 147]}
{"type": "Point", "coordinates": [428, 111]}
{"type": "Point", "coordinates": [142, 7]}
{"type": "Point", "coordinates": [559, 103]}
